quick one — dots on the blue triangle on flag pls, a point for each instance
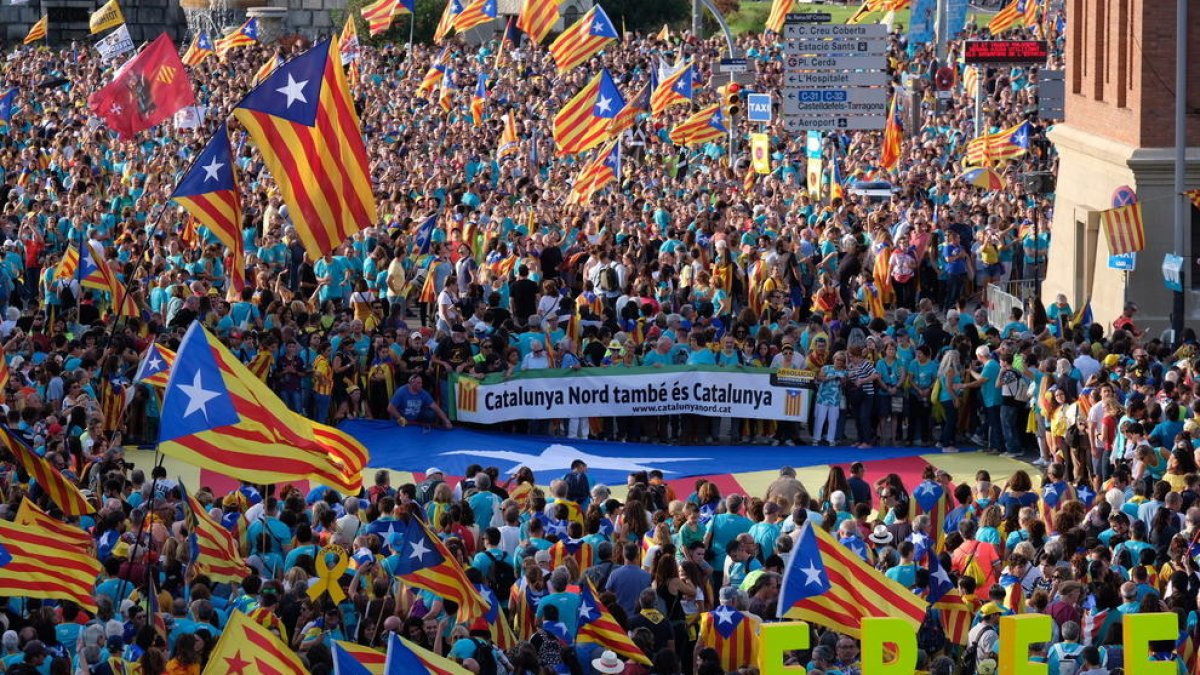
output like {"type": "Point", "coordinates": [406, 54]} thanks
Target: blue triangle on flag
{"type": "Point", "coordinates": [196, 398]}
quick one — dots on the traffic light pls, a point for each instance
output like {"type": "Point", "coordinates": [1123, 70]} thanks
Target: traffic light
{"type": "Point", "coordinates": [731, 102]}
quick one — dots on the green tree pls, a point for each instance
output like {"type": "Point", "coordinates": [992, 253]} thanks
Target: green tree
{"type": "Point", "coordinates": [427, 14]}
{"type": "Point", "coordinates": [646, 16]}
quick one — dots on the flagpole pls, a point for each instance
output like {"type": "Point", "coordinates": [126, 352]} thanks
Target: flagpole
{"type": "Point", "coordinates": [412, 22]}
{"type": "Point", "coordinates": [133, 550]}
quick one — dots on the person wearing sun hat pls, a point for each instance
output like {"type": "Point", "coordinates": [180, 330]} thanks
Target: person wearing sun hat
{"type": "Point", "coordinates": [608, 663]}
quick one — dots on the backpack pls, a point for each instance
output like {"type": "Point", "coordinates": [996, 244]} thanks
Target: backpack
{"type": "Point", "coordinates": [501, 576]}
{"type": "Point", "coordinates": [658, 494]}
{"type": "Point", "coordinates": [1068, 663]}
{"type": "Point", "coordinates": [66, 296]}
{"type": "Point", "coordinates": [609, 281]}
{"type": "Point", "coordinates": [966, 662]}
{"type": "Point", "coordinates": [425, 490]}
{"type": "Point", "coordinates": [484, 657]}
{"type": "Point", "coordinates": [931, 636]}
{"type": "Point", "coordinates": [577, 487]}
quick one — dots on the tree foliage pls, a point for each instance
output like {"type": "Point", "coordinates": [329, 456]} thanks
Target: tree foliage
{"type": "Point", "coordinates": [646, 15]}
{"type": "Point", "coordinates": [427, 15]}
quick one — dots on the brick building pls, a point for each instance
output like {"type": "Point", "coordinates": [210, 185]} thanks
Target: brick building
{"type": "Point", "coordinates": [1119, 131]}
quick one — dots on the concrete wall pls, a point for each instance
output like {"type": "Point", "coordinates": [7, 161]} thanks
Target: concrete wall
{"type": "Point", "coordinates": [68, 20]}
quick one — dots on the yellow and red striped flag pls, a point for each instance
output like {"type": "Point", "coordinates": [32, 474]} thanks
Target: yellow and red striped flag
{"type": "Point", "coordinates": [957, 614]}
{"type": "Point", "coordinates": [446, 98]}
{"type": "Point", "coordinates": [675, 89]}
{"type": "Point", "coordinates": [1193, 196]}
{"type": "Point", "coordinates": [1030, 16]}
{"type": "Point", "coordinates": [217, 414]}
{"type": "Point", "coordinates": [37, 31]}
{"type": "Point", "coordinates": [706, 125]}
{"type": "Point", "coordinates": [537, 18]}
{"type": "Point", "coordinates": [445, 24]}
{"type": "Point", "coordinates": [348, 655]}
{"type": "Point", "coordinates": [509, 144]}
{"type": "Point", "coordinates": [433, 76]}
{"type": "Point", "coordinates": [406, 657]}
{"type": "Point", "coordinates": [867, 7]}
{"type": "Point", "coordinates": [267, 68]}
{"type": "Point", "coordinates": [603, 169]}
{"type": "Point", "coordinates": [380, 14]}
{"type": "Point", "coordinates": [664, 33]}
{"type": "Point", "coordinates": [36, 564]}
{"type": "Point", "coordinates": [4, 374]}
{"type": "Point", "coordinates": [248, 648]}
{"type": "Point", "coordinates": [893, 136]}
{"type": "Point", "coordinates": [32, 515]}
{"type": "Point", "coordinates": [1006, 18]}
{"type": "Point", "coordinates": [200, 49]}
{"type": "Point", "coordinates": [302, 119]}
{"type": "Point", "coordinates": [155, 367]}
{"type": "Point", "coordinates": [246, 34]}
{"type": "Point", "coordinates": [583, 122]}
{"type": "Point", "coordinates": [422, 560]}
{"type": "Point", "coordinates": [261, 364]}
{"type": "Point", "coordinates": [1124, 229]}
{"type": "Point", "coordinates": [60, 490]}
{"type": "Point", "coordinates": [733, 634]}
{"type": "Point", "coordinates": [475, 13]}
{"type": "Point", "coordinates": [479, 99]}
{"type": "Point", "coordinates": [597, 625]}
{"type": "Point", "coordinates": [1004, 144]}
{"type": "Point", "coordinates": [640, 103]}
{"type": "Point", "coordinates": [209, 193]}
{"type": "Point", "coordinates": [779, 12]}
{"type": "Point", "coordinates": [583, 40]}
{"type": "Point", "coordinates": [214, 549]}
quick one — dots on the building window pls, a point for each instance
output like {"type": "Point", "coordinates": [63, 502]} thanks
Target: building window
{"type": "Point", "coordinates": [1078, 40]}
{"type": "Point", "coordinates": [570, 15]}
{"type": "Point", "coordinates": [1099, 50]}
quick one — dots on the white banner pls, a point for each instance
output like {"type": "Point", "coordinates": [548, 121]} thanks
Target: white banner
{"type": "Point", "coordinates": [189, 117]}
{"type": "Point", "coordinates": [115, 43]}
{"type": "Point", "coordinates": [755, 393]}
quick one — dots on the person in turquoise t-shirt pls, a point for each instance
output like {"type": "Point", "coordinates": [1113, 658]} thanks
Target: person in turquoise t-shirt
{"type": "Point", "coordinates": [987, 381]}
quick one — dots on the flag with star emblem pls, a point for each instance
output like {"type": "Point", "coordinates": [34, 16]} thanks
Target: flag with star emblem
{"type": "Point", "coordinates": [577, 549]}
{"type": "Point", "coordinates": [674, 90]}
{"type": "Point", "coordinates": [779, 12]}
{"type": "Point", "coordinates": [957, 614]}
{"type": "Point", "coordinates": [150, 88]}
{"type": "Point", "coordinates": [48, 478]}
{"type": "Point", "coordinates": [7, 99]}
{"type": "Point", "coordinates": [583, 122]}
{"type": "Point", "coordinates": [537, 18]}
{"type": "Point", "coordinates": [497, 622]}
{"type": "Point", "coordinates": [640, 103]}
{"type": "Point", "coordinates": [420, 559]}
{"type": "Point", "coordinates": [603, 169]}
{"type": "Point", "coordinates": [34, 563]}
{"type": "Point", "coordinates": [856, 590]}
{"type": "Point", "coordinates": [218, 415]}
{"type": "Point", "coordinates": [931, 498]}
{"type": "Point", "coordinates": [475, 13]}
{"type": "Point", "coordinates": [214, 549]}
{"type": "Point", "coordinates": [479, 99]}
{"type": "Point", "coordinates": [354, 659]}
{"type": "Point", "coordinates": [303, 121]}
{"type": "Point", "coordinates": [247, 648]}
{"type": "Point", "coordinates": [583, 40]}
{"type": "Point", "coordinates": [433, 76]}
{"type": "Point", "coordinates": [804, 576]}
{"type": "Point", "coordinates": [733, 634]}
{"type": "Point", "coordinates": [88, 273]}
{"type": "Point", "coordinates": [704, 126]}
{"type": "Point", "coordinates": [268, 67]}
{"type": "Point", "coordinates": [209, 192]}
{"type": "Point", "coordinates": [37, 31]}
{"type": "Point", "coordinates": [1054, 495]}
{"type": "Point", "coordinates": [155, 367]}
{"type": "Point", "coordinates": [348, 44]}
{"type": "Point", "coordinates": [200, 49]}
{"type": "Point", "coordinates": [423, 239]}
{"type": "Point", "coordinates": [940, 582]}
{"type": "Point", "coordinates": [245, 35]}
{"type": "Point", "coordinates": [445, 24]}
{"type": "Point", "coordinates": [1014, 593]}
{"type": "Point", "coordinates": [597, 625]}
{"type": "Point", "coordinates": [446, 98]}
{"type": "Point", "coordinates": [407, 658]}
{"type": "Point", "coordinates": [1004, 144]}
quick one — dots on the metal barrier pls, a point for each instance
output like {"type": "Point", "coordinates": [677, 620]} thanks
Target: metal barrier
{"type": "Point", "coordinates": [1001, 300]}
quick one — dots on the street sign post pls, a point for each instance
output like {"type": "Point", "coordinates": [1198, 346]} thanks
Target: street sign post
{"type": "Point", "coordinates": [834, 123]}
{"type": "Point", "coordinates": [848, 46]}
{"type": "Point", "coordinates": [860, 31]}
{"type": "Point", "coordinates": [758, 108]}
{"type": "Point", "coordinates": [738, 65]}
{"type": "Point", "coordinates": [808, 17]}
{"type": "Point", "coordinates": [823, 78]}
{"type": "Point", "coordinates": [1126, 262]}
{"type": "Point", "coordinates": [834, 62]}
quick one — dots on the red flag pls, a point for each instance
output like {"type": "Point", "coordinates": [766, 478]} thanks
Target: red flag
{"type": "Point", "coordinates": [147, 90]}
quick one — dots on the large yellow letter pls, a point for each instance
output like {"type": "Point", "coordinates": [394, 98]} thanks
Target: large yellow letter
{"type": "Point", "coordinates": [1138, 631]}
{"type": "Point", "coordinates": [1017, 632]}
{"type": "Point", "coordinates": [776, 639]}
{"type": "Point", "coordinates": [876, 633]}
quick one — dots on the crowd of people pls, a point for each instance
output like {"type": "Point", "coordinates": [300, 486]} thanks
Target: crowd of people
{"type": "Point", "coordinates": [681, 261]}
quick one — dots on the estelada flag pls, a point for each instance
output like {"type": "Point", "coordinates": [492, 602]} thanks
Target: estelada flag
{"type": "Point", "coordinates": [147, 90]}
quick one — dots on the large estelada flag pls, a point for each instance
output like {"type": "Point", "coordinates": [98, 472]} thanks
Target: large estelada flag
{"type": "Point", "coordinates": [209, 192]}
{"type": "Point", "coordinates": [61, 491]}
{"type": "Point", "coordinates": [303, 121]}
{"type": "Point", "coordinates": [34, 563]}
{"type": "Point", "coordinates": [537, 18]}
{"type": "Point", "coordinates": [147, 90]}
{"type": "Point", "coordinates": [583, 122]}
{"type": "Point", "coordinates": [583, 40]}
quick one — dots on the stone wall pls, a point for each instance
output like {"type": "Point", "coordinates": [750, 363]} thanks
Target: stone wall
{"type": "Point", "coordinates": [311, 18]}
{"type": "Point", "coordinates": [69, 20]}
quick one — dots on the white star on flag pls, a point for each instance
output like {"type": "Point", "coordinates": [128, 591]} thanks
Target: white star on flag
{"type": "Point", "coordinates": [585, 611]}
{"type": "Point", "coordinates": [198, 396]}
{"type": "Point", "coordinates": [211, 169]}
{"type": "Point", "coordinates": [723, 614]}
{"type": "Point", "coordinates": [294, 91]}
{"type": "Point", "coordinates": [604, 105]}
{"type": "Point", "coordinates": [419, 549]}
{"type": "Point", "coordinates": [812, 575]}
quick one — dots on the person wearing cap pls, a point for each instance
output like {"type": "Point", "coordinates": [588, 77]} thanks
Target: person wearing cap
{"type": "Point", "coordinates": [984, 637]}
{"type": "Point", "coordinates": [412, 404]}
{"type": "Point", "coordinates": [1125, 321]}
{"type": "Point", "coordinates": [33, 659]}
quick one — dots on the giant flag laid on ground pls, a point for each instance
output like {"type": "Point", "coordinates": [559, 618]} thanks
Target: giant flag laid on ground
{"type": "Point", "coordinates": [303, 121]}
{"type": "Point", "coordinates": [248, 648]}
{"type": "Point", "coordinates": [209, 192]}
{"type": "Point", "coordinates": [217, 414]}
{"type": "Point", "coordinates": [583, 39]}
{"type": "Point", "coordinates": [583, 122]}
{"type": "Point", "coordinates": [827, 584]}
{"type": "Point", "coordinates": [147, 90]}
{"type": "Point", "coordinates": [60, 490]}
{"type": "Point", "coordinates": [34, 563]}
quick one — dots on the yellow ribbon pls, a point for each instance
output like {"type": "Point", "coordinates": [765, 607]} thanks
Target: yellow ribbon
{"type": "Point", "coordinates": [327, 579]}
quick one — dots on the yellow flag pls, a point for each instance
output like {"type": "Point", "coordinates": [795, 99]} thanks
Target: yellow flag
{"type": "Point", "coordinates": [108, 16]}
{"type": "Point", "coordinates": [760, 152]}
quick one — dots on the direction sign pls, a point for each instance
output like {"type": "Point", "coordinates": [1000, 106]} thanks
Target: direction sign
{"type": "Point", "coordinates": [821, 78]}
{"type": "Point", "coordinates": [851, 46]}
{"type": "Point", "coordinates": [834, 62]}
{"type": "Point", "coordinates": [737, 65]}
{"type": "Point", "coordinates": [833, 123]}
{"type": "Point", "coordinates": [834, 30]}
{"type": "Point", "coordinates": [758, 107]}
{"type": "Point", "coordinates": [808, 17]}
{"type": "Point", "coordinates": [855, 100]}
